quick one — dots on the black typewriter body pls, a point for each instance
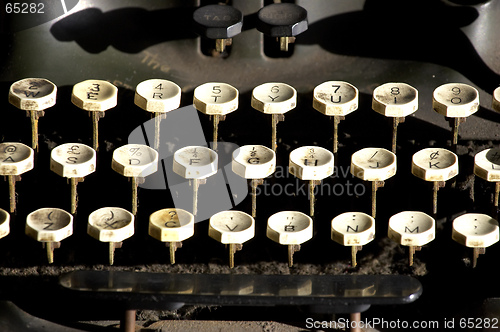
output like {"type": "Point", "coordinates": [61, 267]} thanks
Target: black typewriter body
{"type": "Point", "coordinates": [366, 43]}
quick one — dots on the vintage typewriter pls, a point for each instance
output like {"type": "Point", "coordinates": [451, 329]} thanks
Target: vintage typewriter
{"type": "Point", "coordinates": [378, 50]}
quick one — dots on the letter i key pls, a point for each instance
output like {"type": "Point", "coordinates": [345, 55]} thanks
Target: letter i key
{"type": "Point", "coordinates": [73, 161]}
{"type": "Point", "coordinates": [15, 159]}
{"type": "Point", "coordinates": [95, 96]}
{"type": "Point", "coordinates": [437, 165]}
{"type": "Point", "coordinates": [33, 95]}
{"type": "Point", "coordinates": [337, 99]}
{"type": "Point", "coordinates": [135, 161]}
{"type": "Point", "coordinates": [195, 163]}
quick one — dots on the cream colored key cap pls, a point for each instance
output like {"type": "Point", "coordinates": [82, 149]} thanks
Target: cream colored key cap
{"type": "Point", "coordinates": [311, 163]}
{"type": "Point", "coordinates": [354, 229]}
{"type": "Point", "coordinates": [395, 100]}
{"type": "Point", "coordinates": [455, 100]}
{"type": "Point", "coordinates": [495, 104]}
{"type": "Point", "coordinates": [33, 95]}
{"type": "Point", "coordinates": [113, 225]}
{"type": "Point", "coordinates": [171, 226]}
{"type": "Point", "coordinates": [437, 165]}
{"type": "Point", "coordinates": [375, 165]}
{"type": "Point", "coordinates": [15, 159]}
{"type": "Point", "coordinates": [95, 96]}
{"type": "Point", "coordinates": [413, 229]}
{"type": "Point", "coordinates": [233, 228]}
{"type": "Point", "coordinates": [291, 228]}
{"type": "Point", "coordinates": [337, 99]}
{"type": "Point", "coordinates": [158, 97]}
{"type": "Point", "coordinates": [74, 161]}
{"type": "Point", "coordinates": [275, 99]}
{"type": "Point", "coordinates": [4, 223]}
{"type": "Point", "coordinates": [487, 167]}
{"type": "Point", "coordinates": [254, 162]}
{"type": "Point", "coordinates": [476, 231]}
{"type": "Point", "coordinates": [135, 161]}
{"type": "Point", "coordinates": [217, 99]}
{"type": "Point", "coordinates": [49, 226]}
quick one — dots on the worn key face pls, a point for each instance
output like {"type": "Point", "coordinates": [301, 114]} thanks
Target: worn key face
{"type": "Point", "coordinates": [195, 162]}
{"type": "Point", "coordinates": [412, 228]}
{"type": "Point", "coordinates": [33, 94]}
{"type": "Point", "coordinates": [274, 98]}
{"type": "Point", "coordinates": [157, 96]}
{"type": "Point", "coordinates": [254, 161]}
{"type": "Point", "coordinates": [171, 225]}
{"type": "Point", "coordinates": [135, 160]}
{"type": "Point", "coordinates": [335, 98]}
{"type": "Point", "coordinates": [353, 229]}
{"type": "Point", "coordinates": [216, 98]}
{"type": "Point", "coordinates": [373, 164]}
{"type": "Point", "coordinates": [395, 99]}
{"type": "Point", "coordinates": [455, 100]}
{"type": "Point", "coordinates": [231, 227]}
{"type": "Point", "coordinates": [487, 164]}
{"type": "Point", "coordinates": [311, 163]}
{"type": "Point", "coordinates": [49, 225]}
{"type": "Point", "coordinates": [434, 164]}
{"type": "Point", "coordinates": [4, 223]}
{"type": "Point", "coordinates": [94, 95]}
{"type": "Point", "coordinates": [110, 224]}
{"type": "Point", "coordinates": [15, 158]}
{"type": "Point", "coordinates": [289, 227]}
{"type": "Point", "coordinates": [73, 160]}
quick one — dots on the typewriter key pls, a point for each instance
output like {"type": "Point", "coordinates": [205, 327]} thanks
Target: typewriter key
{"type": "Point", "coordinates": [171, 226]}
{"type": "Point", "coordinates": [33, 95]}
{"type": "Point", "coordinates": [135, 161]}
{"type": "Point", "coordinates": [353, 229]}
{"type": "Point", "coordinates": [487, 167]}
{"type": "Point", "coordinates": [233, 228]}
{"type": "Point", "coordinates": [375, 165]}
{"type": "Point", "coordinates": [4, 223]}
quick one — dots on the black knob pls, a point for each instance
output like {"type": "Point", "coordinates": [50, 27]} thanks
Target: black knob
{"type": "Point", "coordinates": [282, 20]}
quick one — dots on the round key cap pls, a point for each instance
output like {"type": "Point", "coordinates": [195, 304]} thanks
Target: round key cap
{"type": "Point", "coordinates": [395, 99]}
{"type": "Point", "coordinates": [72, 160]}
{"type": "Point", "coordinates": [476, 231]}
{"type": "Point", "coordinates": [455, 100]}
{"type": "Point", "coordinates": [215, 98]}
{"type": "Point", "coordinates": [274, 98]}
{"type": "Point", "coordinates": [50, 226]}
{"type": "Point", "coordinates": [311, 163]}
{"type": "Point", "coordinates": [110, 224]}
{"type": "Point", "coordinates": [33, 94]}
{"type": "Point", "coordinates": [496, 100]}
{"type": "Point", "coordinates": [412, 228]}
{"type": "Point", "coordinates": [171, 225]}
{"type": "Point", "coordinates": [353, 229]}
{"type": "Point", "coordinates": [289, 227]}
{"type": "Point", "coordinates": [217, 21]}
{"type": "Point", "coordinates": [373, 164]}
{"type": "Point", "coordinates": [94, 95]}
{"type": "Point", "coordinates": [15, 158]}
{"type": "Point", "coordinates": [157, 96]}
{"type": "Point", "coordinates": [434, 164]}
{"type": "Point", "coordinates": [282, 20]}
{"type": "Point", "coordinates": [4, 223]}
{"type": "Point", "coordinates": [195, 162]}
{"type": "Point", "coordinates": [487, 164]}
{"type": "Point", "coordinates": [231, 227]}
{"type": "Point", "coordinates": [135, 160]}
{"type": "Point", "coordinates": [253, 161]}
{"type": "Point", "coordinates": [335, 98]}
